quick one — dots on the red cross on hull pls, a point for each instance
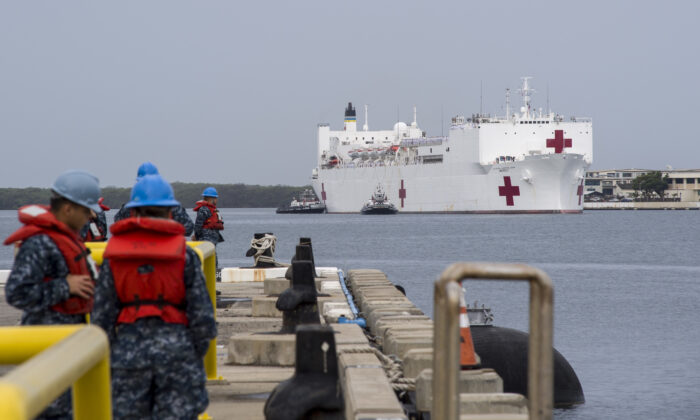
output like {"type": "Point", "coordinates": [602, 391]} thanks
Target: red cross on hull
{"type": "Point", "coordinates": [508, 191]}
{"type": "Point", "coordinates": [559, 143]}
{"type": "Point", "coordinates": [579, 192]}
{"type": "Point", "coordinates": [402, 193]}
{"type": "Point", "coordinates": [323, 192]}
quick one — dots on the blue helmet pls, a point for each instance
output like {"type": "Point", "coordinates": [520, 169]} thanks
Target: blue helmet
{"type": "Point", "coordinates": [210, 192]}
{"type": "Point", "coordinates": [79, 187]}
{"type": "Point", "coordinates": [152, 191]}
{"type": "Point", "coordinates": [146, 168]}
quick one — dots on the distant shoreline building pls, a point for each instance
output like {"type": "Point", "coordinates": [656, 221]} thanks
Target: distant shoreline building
{"type": "Point", "coordinates": [683, 184]}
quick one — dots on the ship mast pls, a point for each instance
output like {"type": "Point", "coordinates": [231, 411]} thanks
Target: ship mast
{"type": "Point", "coordinates": [526, 93]}
{"type": "Point", "coordinates": [365, 127]}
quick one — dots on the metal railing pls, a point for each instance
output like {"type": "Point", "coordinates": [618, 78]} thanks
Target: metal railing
{"type": "Point", "coordinates": [207, 254]}
{"type": "Point", "coordinates": [446, 339]}
{"type": "Point", "coordinates": [54, 358]}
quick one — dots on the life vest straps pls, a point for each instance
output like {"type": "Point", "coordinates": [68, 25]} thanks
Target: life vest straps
{"type": "Point", "coordinates": [160, 303]}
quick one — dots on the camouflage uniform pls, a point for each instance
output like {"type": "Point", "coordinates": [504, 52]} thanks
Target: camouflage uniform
{"type": "Point", "coordinates": [100, 221]}
{"type": "Point", "coordinates": [211, 235]}
{"type": "Point", "coordinates": [38, 258]}
{"type": "Point", "coordinates": [179, 215]}
{"type": "Point", "coordinates": [157, 368]}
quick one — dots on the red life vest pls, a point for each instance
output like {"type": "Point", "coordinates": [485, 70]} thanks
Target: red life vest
{"type": "Point", "coordinates": [147, 258]}
{"type": "Point", "coordinates": [214, 221]}
{"type": "Point", "coordinates": [39, 220]}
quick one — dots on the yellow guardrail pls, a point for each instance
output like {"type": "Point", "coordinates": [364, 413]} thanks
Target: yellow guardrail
{"type": "Point", "coordinates": [207, 254]}
{"type": "Point", "coordinates": [540, 371]}
{"type": "Point", "coordinates": [54, 358]}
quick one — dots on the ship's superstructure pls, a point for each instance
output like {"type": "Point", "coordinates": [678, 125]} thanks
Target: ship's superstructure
{"type": "Point", "coordinates": [526, 161]}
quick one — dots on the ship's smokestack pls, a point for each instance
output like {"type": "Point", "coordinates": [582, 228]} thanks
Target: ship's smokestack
{"type": "Point", "coordinates": [350, 118]}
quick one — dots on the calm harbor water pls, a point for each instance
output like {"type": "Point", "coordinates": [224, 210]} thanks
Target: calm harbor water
{"type": "Point", "coordinates": [626, 286]}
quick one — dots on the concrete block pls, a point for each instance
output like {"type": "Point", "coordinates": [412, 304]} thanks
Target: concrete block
{"type": "Point", "coordinates": [334, 310]}
{"type": "Point", "coordinates": [264, 306]}
{"type": "Point", "coordinates": [385, 322]}
{"type": "Point", "coordinates": [368, 395]}
{"type": "Point", "coordinates": [228, 326]}
{"type": "Point", "coordinates": [4, 274]}
{"type": "Point", "coordinates": [349, 334]}
{"type": "Point", "coordinates": [331, 287]}
{"type": "Point", "coordinates": [276, 286]}
{"type": "Point", "coordinates": [237, 274]}
{"type": "Point", "coordinates": [414, 330]}
{"type": "Point", "coordinates": [378, 314]}
{"type": "Point", "coordinates": [494, 417]}
{"type": "Point", "coordinates": [262, 349]}
{"type": "Point", "coordinates": [492, 403]}
{"type": "Point", "coordinates": [417, 360]}
{"type": "Point", "coordinates": [398, 345]}
{"type": "Point", "coordinates": [357, 360]}
{"type": "Point", "coordinates": [368, 304]}
{"type": "Point", "coordinates": [478, 382]}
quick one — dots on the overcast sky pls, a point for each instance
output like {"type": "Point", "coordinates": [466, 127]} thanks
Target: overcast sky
{"type": "Point", "coordinates": [228, 92]}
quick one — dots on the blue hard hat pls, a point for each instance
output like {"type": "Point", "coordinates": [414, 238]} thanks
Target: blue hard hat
{"type": "Point", "coordinates": [146, 168]}
{"type": "Point", "coordinates": [79, 187]}
{"type": "Point", "coordinates": [210, 192]}
{"type": "Point", "coordinates": [152, 191]}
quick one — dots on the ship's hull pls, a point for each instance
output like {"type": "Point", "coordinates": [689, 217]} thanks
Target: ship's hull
{"type": "Point", "coordinates": [551, 183]}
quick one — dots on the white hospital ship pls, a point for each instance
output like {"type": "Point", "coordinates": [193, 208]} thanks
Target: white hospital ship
{"type": "Point", "coordinates": [524, 162]}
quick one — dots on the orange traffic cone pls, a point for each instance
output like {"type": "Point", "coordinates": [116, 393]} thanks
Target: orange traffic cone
{"type": "Point", "coordinates": [468, 359]}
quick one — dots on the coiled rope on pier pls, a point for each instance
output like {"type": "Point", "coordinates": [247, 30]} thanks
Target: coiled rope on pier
{"type": "Point", "coordinates": [263, 244]}
{"type": "Point", "coordinates": [392, 368]}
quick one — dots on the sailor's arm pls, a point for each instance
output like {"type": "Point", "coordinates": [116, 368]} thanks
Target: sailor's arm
{"type": "Point", "coordinates": [26, 288]}
{"type": "Point", "coordinates": [200, 311]}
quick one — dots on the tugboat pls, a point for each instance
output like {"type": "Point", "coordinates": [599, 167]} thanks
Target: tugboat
{"type": "Point", "coordinates": [379, 203]}
{"type": "Point", "coordinates": [307, 203]}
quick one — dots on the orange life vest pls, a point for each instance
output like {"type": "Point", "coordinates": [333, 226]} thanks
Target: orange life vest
{"type": "Point", "coordinates": [214, 221]}
{"type": "Point", "coordinates": [39, 220]}
{"type": "Point", "coordinates": [147, 258]}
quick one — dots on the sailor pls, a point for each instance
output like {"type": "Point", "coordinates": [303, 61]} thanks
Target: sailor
{"type": "Point", "coordinates": [179, 213]}
{"type": "Point", "coordinates": [209, 224]}
{"type": "Point", "coordinates": [52, 278]}
{"type": "Point", "coordinates": [152, 301]}
{"type": "Point", "coordinates": [95, 230]}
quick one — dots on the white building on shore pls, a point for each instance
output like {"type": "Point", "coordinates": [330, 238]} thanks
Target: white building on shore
{"type": "Point", "coordinates": [683, 184]}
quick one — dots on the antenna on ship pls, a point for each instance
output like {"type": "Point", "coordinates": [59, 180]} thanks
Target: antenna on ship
{"type": "Point", "coordinates": [481, 97]}
{"type": "Point", "coordinates": [525, 92]}
{"type": "Point", "coordinates": [442, 121]}
{"type": "Point", "coordinates": [549, 110]}
{"type": "Point", "coordinates": [366, 126]}
{"type": "Point", "coordinates": [507, 103]}
{"type": "Point", "coordinates": [415, 117]}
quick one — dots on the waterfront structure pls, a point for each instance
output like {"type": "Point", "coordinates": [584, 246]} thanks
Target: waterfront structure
{"type": "Point", "coordinates": [529, 161]}
{"type": "Point", "coordinates": [683, 184]}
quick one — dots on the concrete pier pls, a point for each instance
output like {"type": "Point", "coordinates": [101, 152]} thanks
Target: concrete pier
{"type": "Point", "coordinates": [389, 358]}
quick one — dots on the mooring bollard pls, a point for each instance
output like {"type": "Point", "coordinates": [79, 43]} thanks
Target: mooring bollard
{"type": "Point", "coordinates": [299, 303]}
{"type": "Point", "coordinates": [262, 248]}
{"type": "Point", "coordinates": [314, 390]}
{"type": "Point", "coordinates": [307, 253]}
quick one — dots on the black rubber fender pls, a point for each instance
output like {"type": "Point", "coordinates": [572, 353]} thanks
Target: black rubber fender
{"type": "Point", "coordinates": [505, 351]}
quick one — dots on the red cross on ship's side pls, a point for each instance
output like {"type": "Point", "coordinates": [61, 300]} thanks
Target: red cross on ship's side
{"type": "Point", "coordinates": [402, 193]}
{"type": "Point", "coordinates": [508, 191]}
{"type": "Point", "coordinates": [559, 143]}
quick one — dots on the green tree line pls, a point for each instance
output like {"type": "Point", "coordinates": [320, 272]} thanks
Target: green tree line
{"type": "Point", "coordinates": [230, 195]}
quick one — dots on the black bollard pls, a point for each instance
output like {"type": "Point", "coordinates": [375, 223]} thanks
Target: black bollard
{"type": "Point", "coordinates": [310, 253]}
{"type": "Point", "coordinates": [299, 303]}
{"type": "Point", "coordinates": [268, 252]}
{"type": "Point", "coordinates": [314, 390]}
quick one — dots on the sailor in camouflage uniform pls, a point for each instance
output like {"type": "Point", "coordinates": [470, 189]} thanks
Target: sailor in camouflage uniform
{"type": "Point", "coordinates": [209, 223]}
{"type": "Point", "coordinates": [155, 308]}
{"type": "Point", "coordinates": [95, 230]}
{"type": "Point", "coordinates": [52, 279]}
{"type": "Point", "coordinates": [179, 214]}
